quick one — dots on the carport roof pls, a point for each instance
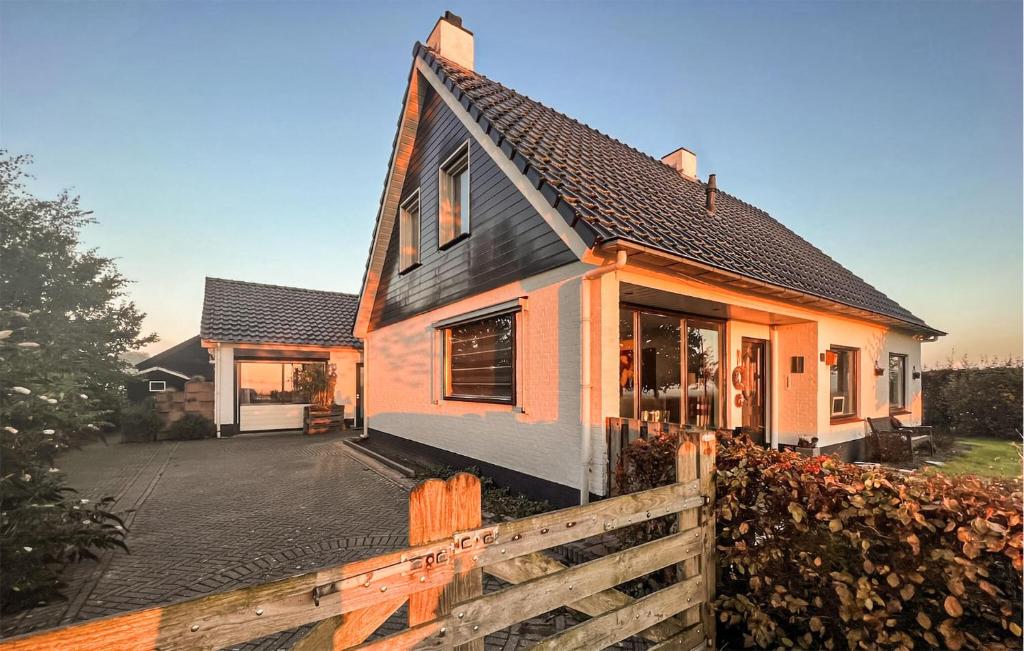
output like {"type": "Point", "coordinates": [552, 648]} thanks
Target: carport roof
{"type": "Point", "coordinates": [241, 312]}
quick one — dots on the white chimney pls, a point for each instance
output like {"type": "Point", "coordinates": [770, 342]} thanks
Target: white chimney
{"type": "Point", "coordinates": [683, 161]}
{"type": "Point", "coordinates": [452, 41]}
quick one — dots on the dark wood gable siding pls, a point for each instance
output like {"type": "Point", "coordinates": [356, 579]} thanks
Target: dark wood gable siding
{"type": "Point", "coordinates": [508, 239]}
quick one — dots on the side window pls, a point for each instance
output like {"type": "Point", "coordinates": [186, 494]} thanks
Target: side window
{"type": "Point", "coordinates": [409, 232]}
{"type": "Point", "coordinates": [157, 385]}
{"type": "Point", "coordinates": [479, 360]}
{"type": "Point", "coordinates": [453, 212]}
{"type": "Point", "coordinates": [843, 383]}
{"type": "Point", "coordinates": [897, 382]}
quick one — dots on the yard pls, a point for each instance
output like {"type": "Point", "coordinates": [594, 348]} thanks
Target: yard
{"type": "Point", "coordinates": [984, 456]}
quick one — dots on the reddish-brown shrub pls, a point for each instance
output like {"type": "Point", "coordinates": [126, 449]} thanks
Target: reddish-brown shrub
{"type": "Point", "coordinates": [816, 553]}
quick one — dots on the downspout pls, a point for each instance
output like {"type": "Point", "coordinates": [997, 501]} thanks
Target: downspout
{"type": "Point", "coordinates": [362, 396]}
{"type": "Point", "coordinates": [216, 389]}
{"type": "Point", "coordinates": [775, 385]}
{"type": "Point", "coordinates": [585, 386]}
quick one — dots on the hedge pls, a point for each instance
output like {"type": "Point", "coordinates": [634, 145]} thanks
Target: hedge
{"type": "Point", "coordinates": [975, 401]}
{"type": "Point", "coordinates": [816, 553]}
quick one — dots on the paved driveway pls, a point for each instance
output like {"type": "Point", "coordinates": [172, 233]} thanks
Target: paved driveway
{"type": "Point", "coordinates": [217, 514]}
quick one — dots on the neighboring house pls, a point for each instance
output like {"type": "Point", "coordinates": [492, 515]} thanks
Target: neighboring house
{"type": "Point", "coordinates": [510, 237]}
{"type": "Point", "coordinates": [259, 334]}
{"type": "Point", "coordinates": [170, 369]}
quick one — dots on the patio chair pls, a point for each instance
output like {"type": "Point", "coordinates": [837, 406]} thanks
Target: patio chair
{"type": "Point", "coordinates": [895, 439]}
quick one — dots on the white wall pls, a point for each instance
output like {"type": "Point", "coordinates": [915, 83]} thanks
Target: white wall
{"type": "Point", "coordinates": [540, 435]}
{"type": "Point", "coordinates": [345, 360]}
{"type": "Point", "coordinates": [224, 384]}
{"type": "Point", "coordinates": [874, 344]}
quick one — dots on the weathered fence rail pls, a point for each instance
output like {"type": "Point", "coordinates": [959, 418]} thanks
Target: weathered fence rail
{"type": "Point", "coordinates": [440, 575]}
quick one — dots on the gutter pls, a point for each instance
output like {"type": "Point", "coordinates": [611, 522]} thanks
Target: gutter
{"type": "Point", "coordinates": [585, 385]}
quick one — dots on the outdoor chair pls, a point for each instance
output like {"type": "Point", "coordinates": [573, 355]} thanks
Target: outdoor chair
{"type": "Point", "coordinates": [897, 441]}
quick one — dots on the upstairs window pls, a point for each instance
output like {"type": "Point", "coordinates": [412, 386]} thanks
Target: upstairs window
{"type": "Point", "coordinates": [409, 232]}
{"type": "Point", "coordinates": [897, 383]}
{"type": "Point", "coordinates": [480, 360]}
{"type": "Point", "coordinates": [843, 383]}
{"type": "Point", "coordinates": [453, 215]}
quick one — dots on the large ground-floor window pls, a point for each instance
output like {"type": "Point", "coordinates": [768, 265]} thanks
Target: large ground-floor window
{"type": "Point", "coordinates": [670, 368]}
{"type": "Point", "coordinates": [270, 382]}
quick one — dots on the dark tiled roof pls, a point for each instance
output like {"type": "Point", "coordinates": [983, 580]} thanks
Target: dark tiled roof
{"type": "Point", "coordinates": [624, 194]}
{"type": "Point", "coordinates": [188, 358]}
{"type": "Point", "coordinates": [236, 311]}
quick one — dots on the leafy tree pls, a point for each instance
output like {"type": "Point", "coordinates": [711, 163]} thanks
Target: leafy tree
{"type": "Point", "coordinates": [64, 325]}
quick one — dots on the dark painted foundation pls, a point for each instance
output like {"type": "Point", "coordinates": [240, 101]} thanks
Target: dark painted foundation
{"type": "Point", "coordinates": [515, 481]}
{"type": "Point", "coordinates": [850, 451]}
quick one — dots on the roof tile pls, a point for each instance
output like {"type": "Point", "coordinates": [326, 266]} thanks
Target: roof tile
{"type": "Point", "coordinates": [237, 311]}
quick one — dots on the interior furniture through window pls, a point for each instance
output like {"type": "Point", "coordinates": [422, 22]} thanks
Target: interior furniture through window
{"type": "Point", "coordinates": [657, 351]}
{"type": "Point", "coordinates": [409, 232]}
{"type": "Point", "coordinates": [453, 213]}
{"type": "Point", "coordinates": [843, 383]}
{"type": "Point", "coordinates": [479, 359]}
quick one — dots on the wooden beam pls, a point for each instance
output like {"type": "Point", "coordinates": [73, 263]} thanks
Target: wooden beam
{"type": "Point", "coordinates": [686, 471]}
{"type": "Point", "coordinates": [522, 569]}
{"type": "Point", "coordinates": [344, 631]}
{"type": "Point", "coordinates": [492, 612]}
{"type": "Point", "coordinates": [691, 639]}
{"type": "Point", "coordinates": [607, 629]}
{"type": "Point", "coordinates": [438, 509]}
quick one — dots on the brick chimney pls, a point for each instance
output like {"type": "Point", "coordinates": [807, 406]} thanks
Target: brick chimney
{"type": "Point", "coordinates": [452, 41]}
{"type": "Point", "coordinates": [683, 161]}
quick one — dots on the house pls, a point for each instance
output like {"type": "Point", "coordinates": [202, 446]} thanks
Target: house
{"type": "Point", "coordinates": [170, 369]}
{"type": "Point", "coordinates": [258, 335]}
{"type": "Point", "coordinates": [511, 237]}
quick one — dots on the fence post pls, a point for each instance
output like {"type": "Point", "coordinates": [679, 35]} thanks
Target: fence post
{"type": "Point", "coordinates": [437, 509]}
{"type": "Point", "coordinates": [709, 559]}
{"type": "Point", "coordinates": [686, 471]}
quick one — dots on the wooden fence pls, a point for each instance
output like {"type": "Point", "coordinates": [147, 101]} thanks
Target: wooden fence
{"type": "Point", "coordinates": [440, 575]}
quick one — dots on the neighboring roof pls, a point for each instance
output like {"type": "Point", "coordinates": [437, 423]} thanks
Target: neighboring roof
{"type": "Point", "coordinates": [241, 312]}
{"type": "Point", "coordinates": [625, 195]}
{"type": "Point", "coordinates": [187, 359]}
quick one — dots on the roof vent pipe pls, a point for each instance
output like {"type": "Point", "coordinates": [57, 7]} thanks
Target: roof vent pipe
{"type": "Point", "coordinates": [711, 190]}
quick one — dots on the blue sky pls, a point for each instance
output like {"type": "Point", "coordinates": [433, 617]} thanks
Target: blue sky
{"type": "Point", "coordinates": [250, 140]}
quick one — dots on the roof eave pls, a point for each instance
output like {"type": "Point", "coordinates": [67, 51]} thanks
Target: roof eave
{"type": "Point", "coordinates": [707, 272]}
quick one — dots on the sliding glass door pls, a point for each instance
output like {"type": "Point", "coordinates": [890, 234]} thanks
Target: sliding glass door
{"type": "Point", "coordinates": [652, 366]}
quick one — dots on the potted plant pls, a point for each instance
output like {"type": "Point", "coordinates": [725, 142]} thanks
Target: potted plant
{"type": "Point", "coordinates": [316, 382]}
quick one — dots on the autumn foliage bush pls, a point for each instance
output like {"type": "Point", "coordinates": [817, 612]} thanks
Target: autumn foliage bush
{"type": "Point", "coordinates": [816, 553]}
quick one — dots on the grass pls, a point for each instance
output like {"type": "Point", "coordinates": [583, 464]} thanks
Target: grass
{"type": "Point", "coordinates": [986, 457]}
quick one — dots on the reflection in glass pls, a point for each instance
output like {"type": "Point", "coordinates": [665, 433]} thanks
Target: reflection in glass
{"type": "Point", "coordinates": [842, 383]}
{"type": "Point", "coordinates": [627, 365]}
{"type": "Point", "coordinates": [480, 359]}
{"type": "Point", "coordinates": [702, 374]}
{"type": "Point", "coordinates": [269, 383]}
{"type": "Point", "coordinates": [897, 382]}
{"type": "Point", "coordinates": [660, 386]}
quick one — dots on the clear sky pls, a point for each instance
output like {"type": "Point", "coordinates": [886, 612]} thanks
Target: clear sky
{"type": "Point", "coordinates": [250, 140]}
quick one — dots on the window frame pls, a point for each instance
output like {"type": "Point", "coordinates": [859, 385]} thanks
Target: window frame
{"type": "Point", "coordinates": [902, 407]}
{"type": "Point", "coordinates": [443, 177]}
{"type": "Point", "coordinates": [849, 414]}
{"type": "Point", "coordinates": [446, 393]}
{"type": "Point", "coordinates": [403, 210]}
{"type": "Point", "coordinates": [152, 382]}
{"type": "Point", "coordinates": [284, 379]}
{"type": "Point", "coordinates": [685, 320]}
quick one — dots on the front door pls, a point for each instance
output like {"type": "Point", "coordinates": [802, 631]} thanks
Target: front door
{"type": "Point", "coordinates": [755, 392]}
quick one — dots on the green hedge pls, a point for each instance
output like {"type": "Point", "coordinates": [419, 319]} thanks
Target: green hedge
{"type": "Point", "coordinates": [819, 554]}
{"type": "Point", "coordinates": [975, 401]}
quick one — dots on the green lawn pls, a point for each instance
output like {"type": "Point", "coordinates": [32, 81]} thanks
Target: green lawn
{"type": "Point", "coordinates": [979, 456]}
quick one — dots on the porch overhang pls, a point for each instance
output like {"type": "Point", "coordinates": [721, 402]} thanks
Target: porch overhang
{"type": "Point", "coordinates": [664, 262]}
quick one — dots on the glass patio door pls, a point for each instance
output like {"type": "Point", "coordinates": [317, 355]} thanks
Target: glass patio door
{"type": "Point", "coordinates": [656, 352]}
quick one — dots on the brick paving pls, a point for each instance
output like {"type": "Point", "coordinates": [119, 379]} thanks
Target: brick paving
{"type": "Point", "coordinates": [209, 516]}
